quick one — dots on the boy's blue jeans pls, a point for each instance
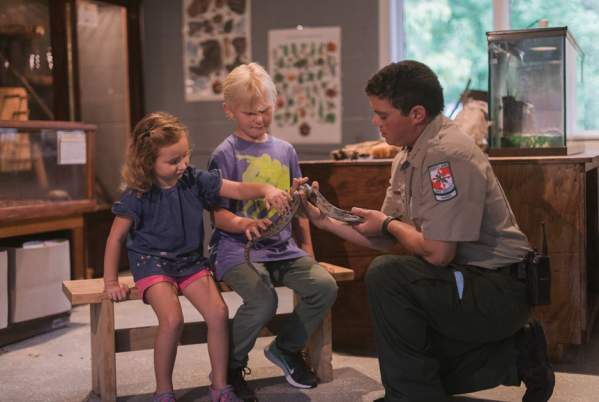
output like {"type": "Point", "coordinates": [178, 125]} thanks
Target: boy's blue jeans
{"type": "Point", "coordinates": [315, 287]}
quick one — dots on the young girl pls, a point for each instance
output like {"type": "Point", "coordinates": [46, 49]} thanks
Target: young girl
{"type": "Point", "coordinates": [161, 216]}
{"type": "Point", "coordinates": [252, 155]}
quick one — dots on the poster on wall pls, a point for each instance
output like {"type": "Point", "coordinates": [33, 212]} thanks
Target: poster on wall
{"type": "Point", "coordinates": [216, 39]}
{"type": "Point", "coordinates": [305, 65]}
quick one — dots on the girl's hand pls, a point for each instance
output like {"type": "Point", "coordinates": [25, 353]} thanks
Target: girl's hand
{"type": "Point", "coordinates": [278, 199]}
{"type": "Point", "coordinates": [116, 290]}
{"type": "Point", "coordinates": [255, 227]}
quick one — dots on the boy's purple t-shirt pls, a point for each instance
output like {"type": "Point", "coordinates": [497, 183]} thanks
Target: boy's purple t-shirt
{"type": "Point", "coordinates": [274, 162]}
{"type": "Point", "coordinates": [167, 234]}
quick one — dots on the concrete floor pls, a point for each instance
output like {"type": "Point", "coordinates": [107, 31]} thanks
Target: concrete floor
{"type": "Point", "coordinates": [56, 367]}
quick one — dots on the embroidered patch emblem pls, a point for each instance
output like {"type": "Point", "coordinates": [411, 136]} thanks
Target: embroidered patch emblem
{"type": "Point", "coordinates": [442, 181]}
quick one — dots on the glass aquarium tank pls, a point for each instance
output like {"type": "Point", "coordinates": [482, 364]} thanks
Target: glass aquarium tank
{"type": "Point", "coordinates": [46, 169]}
{"type": "Point", "coordinates": [532, 91]}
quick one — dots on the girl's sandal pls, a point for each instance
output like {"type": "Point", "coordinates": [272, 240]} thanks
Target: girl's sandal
{"type": "Point", "coordinates": [226, 394]}
{"type": "Point", "coordinates": [164, 397]}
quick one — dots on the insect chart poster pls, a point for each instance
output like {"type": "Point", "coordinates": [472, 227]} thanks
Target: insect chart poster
{"type": "Point", "coordinates": [216, 39]}
{"type": "Point", "coordinates": [305, 65]}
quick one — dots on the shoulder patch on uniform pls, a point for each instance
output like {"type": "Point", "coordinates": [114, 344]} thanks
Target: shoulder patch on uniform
{"type": "Point", "coordinates": [442, 182]}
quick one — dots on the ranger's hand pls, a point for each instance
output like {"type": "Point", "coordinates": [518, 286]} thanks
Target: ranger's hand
{"type": "Point", "coordinates": [312, 212]}
{"type": "Point", "coordinates": [373, 221]}
{"type": "Point", "coordinates": [297, 186]}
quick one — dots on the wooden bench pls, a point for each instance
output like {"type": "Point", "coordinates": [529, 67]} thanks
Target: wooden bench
{"type": "Point", "coordinates": [106, 341]}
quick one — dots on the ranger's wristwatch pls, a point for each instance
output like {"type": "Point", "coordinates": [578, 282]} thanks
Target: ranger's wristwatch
{"type": "Point", "coordinates": [385, 226]}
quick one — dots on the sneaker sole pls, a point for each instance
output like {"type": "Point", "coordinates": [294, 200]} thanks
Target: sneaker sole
{"type": "Point", "coordinates": [277, 362]}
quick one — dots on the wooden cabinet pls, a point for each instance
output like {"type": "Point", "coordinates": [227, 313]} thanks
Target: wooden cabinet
{"type": "Point", "coordinates": [46, 185]}
{"type": "Point", "coordinates": [560, 191]}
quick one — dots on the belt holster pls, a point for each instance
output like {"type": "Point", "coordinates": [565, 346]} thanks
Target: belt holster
{"type": "Point", "coordinates": [534, 270]}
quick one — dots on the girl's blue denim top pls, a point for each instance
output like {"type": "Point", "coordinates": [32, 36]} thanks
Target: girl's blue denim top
{"type": "Point", "coordinates": [167, 234]}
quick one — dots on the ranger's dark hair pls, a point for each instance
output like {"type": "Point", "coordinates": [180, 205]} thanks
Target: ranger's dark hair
{"type": "Point", "coordinates": [406, 84]}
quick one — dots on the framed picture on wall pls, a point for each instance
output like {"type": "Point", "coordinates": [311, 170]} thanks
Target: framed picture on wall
{"type": "Point", "coordinates": [306, 67]}
{"type": "Point", "coordinates": [216, 39]}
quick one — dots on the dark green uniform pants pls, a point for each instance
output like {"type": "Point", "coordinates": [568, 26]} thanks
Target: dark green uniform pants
{"type": "Point", "coordinates": [430, 342]}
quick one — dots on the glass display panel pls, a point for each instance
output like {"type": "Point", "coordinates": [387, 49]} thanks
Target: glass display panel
{"type": "Point", "coordinates": [532, 89]}
{"type": "Point", "coordinates": [40, 166]}
{"type": "Point", "coordinates": [527, 88]}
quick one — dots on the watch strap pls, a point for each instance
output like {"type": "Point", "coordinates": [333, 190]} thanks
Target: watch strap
{"type": "Point", "coordinates": [385, 226]}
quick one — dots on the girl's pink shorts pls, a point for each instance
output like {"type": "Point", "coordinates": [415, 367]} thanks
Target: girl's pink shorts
{"type": "Point", "coordinates": [180, 283]}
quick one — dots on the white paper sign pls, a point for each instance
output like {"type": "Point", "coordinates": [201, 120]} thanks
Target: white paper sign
{"type": "Point", "coordinates": [87, 14]}
{"type": "Point", "coordinates": [71, 147]}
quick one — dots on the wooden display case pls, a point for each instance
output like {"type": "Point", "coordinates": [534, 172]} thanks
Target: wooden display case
{"type": "Point", "coordinates": [42, 191]}
{"type": "Point", "coordinates": [44, 194]}
{"type": "Point", "coordinates": [561, 191]}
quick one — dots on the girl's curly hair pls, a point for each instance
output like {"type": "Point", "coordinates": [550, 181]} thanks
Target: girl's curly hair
{"type": "Point", "coordinates": [154, 131]}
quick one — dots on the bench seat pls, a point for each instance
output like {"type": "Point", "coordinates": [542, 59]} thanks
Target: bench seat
{"type": "Point", "coordinates": [106, 340]}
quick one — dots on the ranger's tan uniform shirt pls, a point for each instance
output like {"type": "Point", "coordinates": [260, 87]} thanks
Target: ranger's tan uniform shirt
{"type": "Point", "coordinates": [446, 188]}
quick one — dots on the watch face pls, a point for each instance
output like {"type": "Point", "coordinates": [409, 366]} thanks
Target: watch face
{"type": "Point", "coordinates": [385, 227]}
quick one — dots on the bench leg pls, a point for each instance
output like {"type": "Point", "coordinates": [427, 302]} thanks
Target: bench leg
{"type": "Point", "coordinates": [320, 350]}
{"type": "Point", "coordinates": [320, 347]}
{"type": "Point", "coordinates": [103, 350]}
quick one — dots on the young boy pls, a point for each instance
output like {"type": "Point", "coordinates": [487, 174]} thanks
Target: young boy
{"type": "Point", "coordinates": [251, 154]}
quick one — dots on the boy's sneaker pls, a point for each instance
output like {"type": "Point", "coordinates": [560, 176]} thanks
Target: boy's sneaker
{"type": "Point", "coordinates": [293, 365]}
{"type": "Point", "coordinates": [236, 377]}
{"type": "Point", "coordinates": [533, 364]}
{"type": "Point", "coordinates": [225, 394]}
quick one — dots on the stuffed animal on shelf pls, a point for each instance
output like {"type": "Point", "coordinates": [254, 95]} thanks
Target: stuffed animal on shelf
{"type": "Point", "coordinates": [377, 149]}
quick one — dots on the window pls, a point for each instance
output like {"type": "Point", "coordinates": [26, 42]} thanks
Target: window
{"type": "Point", "coordinates": [450, 37]}
{"type": "Point", "coordinates": [580, 16]}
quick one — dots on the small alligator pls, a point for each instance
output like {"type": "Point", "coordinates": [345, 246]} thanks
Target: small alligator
{"type": "Point", "coordinates": [280, 221]}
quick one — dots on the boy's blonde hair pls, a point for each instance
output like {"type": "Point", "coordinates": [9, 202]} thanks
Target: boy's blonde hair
{"type": "Point", "coordinates": [154, 131]}
{"type": "Point", "coordinates": [249, 85]}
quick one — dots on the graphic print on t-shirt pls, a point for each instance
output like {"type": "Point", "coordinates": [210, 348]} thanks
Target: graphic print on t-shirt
{"type": "Point", "coordinates": [263, 169]}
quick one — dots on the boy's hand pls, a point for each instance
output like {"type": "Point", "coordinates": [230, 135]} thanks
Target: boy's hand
{"type": "Point", "coordinates": [255, 227]}
{"type": "Point", "coordinates": [278, 199]}
{"type": "Point", "coordinates": [116, 290]}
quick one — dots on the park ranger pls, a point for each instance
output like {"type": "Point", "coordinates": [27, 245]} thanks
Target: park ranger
{"type": "Point", "coordinates": [450, 314]}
